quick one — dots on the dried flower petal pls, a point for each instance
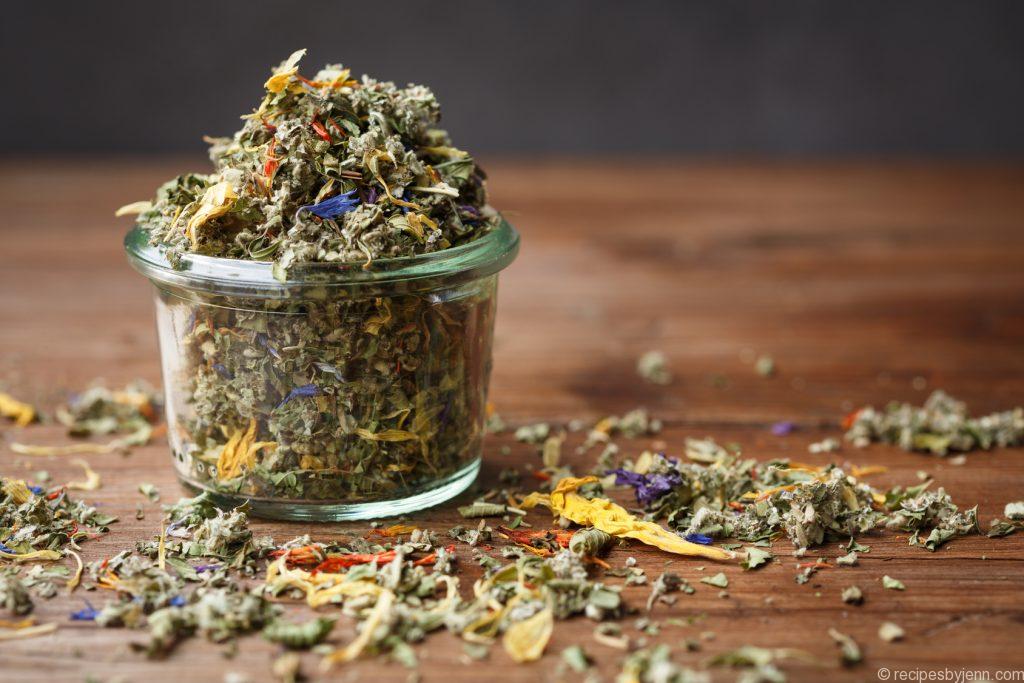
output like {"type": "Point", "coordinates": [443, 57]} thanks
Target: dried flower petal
{"type": "Point", "coordinates": [615, 520]}
{"type": "Point", "coordinates": [525, 640]}
{"type": "Point", "coordinates": [22, 413]}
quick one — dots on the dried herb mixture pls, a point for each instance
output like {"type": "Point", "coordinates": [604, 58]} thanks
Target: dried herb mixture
{"type": "Point", "coordinates": [316, 396]}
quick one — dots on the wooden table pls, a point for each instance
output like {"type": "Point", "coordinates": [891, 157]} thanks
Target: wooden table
{"type": "Point", "coordinates": [865, 282]}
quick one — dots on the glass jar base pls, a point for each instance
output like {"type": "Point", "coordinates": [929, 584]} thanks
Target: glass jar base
{"type": "Point", "coordinates": [269, 508]}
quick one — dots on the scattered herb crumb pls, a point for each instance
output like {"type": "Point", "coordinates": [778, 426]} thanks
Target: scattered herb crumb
{"type": "Point", "coordinates": [765, 366]}
{"type": "Point", "coordinates": [849, 651]}
{"type": "Point", "coordinates": [719, 580]}
{"type": "Point", "coordinates": [150, 492]}
{"type": "Point", "coordinates": [890, 632]}
{"type": "Point", "coordinates": [892, 584]}
{"type": "Point", "coordinates": [653, 368]}
{"type": "Point", "coordinates": [853, 595]}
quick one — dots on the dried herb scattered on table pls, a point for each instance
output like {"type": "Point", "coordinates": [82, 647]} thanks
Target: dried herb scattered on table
{"type": "Point", "coordinates": [942, 425]}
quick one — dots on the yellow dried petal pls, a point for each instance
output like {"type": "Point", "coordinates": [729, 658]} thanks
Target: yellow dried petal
{"type": "Point", "coordinates": [217, 201]}
{"type": "Point", "coordinates": [134, 208]}
{"type": "Point", "coordinates": [445, 151]}
{"type": "Point", "coordinates": [239, 453]}
{"type": "Point", "coordinates": [284, 73]}
{"type": "Point", "coordinates": [31, 555]}
{"type": "Point", "coordinates": [73, 449]}
{"type": "Point", "coordinates": [22, 413]}
{"type": "Point", "coordinates": [613, 519]}
{"type": "Point", "coordinates": [76, 578]}
{"type": "Point", "coordinates": [161, 549]}
{"type": "Point", "coordinates": [17, 489]}
{"type": "Point", "coordinates": [365, 637]}
{"type": "Point", "coordinates": [525, 640]}
{"type": "Point", "coordinates": [92, 479]}
{"type": "Point", "coordinates": [381, 318]}
{"type": "Point", "coordinates": [311, 462]}
{"type": "Point", "coordinates": [387, 435]}
{"type": "Point", "coordinates": [30, 632]}
{"type": "Point", "coordinates": [21, 623]}
{"type": "Point", "coordinates": [226, 461]}
{"type": "Point", "coordinates": [371, 159]}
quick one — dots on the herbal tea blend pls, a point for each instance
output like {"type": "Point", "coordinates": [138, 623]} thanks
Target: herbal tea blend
{"type": "Point", "coordinates": [336, 348]}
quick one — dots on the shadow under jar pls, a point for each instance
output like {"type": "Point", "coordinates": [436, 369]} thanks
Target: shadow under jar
{"type": "Point", "coordinates": [340, 393]}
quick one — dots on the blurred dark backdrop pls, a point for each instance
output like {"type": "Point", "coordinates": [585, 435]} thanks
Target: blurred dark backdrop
{"type": "Point", "coordinates": [872, 77]}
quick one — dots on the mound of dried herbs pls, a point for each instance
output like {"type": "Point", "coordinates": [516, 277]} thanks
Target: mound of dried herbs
{"type": "Point", "coordinates": [316, 396]}
{"type": "Point", "coordinates": [326, 169]}
{"type": "Point", "coordinates": [716, 493]}
{"type": "Point", "coordinates": [942, 425]}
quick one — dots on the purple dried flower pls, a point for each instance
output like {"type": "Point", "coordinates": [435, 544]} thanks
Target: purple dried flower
{"type": "Point", "coordinates": [305, 391]}
{"type": "Point", "coordinates": [698, 538]}
{"type": "Point", "coordinates": [223, 371]}
{"type": "Point", "coordinates": [371, 195]}
{"type": "Point", "coordinates": [333, 207]}
{"type": "Point", "coordinates": [648, 487]}
{"type": "Point", "coordinates": [783, 428]}
{"type": "Point", "coordinates": [200, 568]}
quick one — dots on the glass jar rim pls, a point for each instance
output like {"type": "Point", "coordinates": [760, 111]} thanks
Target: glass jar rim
{"type": "Point", "coordinates": [470, 261]}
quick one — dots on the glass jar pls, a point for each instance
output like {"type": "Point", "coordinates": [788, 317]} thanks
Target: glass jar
{"type": "Point", "coordinates": [340, 393]}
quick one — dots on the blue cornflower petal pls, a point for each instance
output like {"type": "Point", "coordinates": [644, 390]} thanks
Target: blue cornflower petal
{"type": "Point", "coordinates": [699, 538]}
{"type": "Point", "coordinates": [38, 490]}
{"type": "Point", "coordinates": [263, 341]}
{"type": "Point", "coordinates": [5, 549]}
{"type": "Point", "coordinates": [177, 601]}
{"type": "Point", "coordinates": [87, 613]}
{"type": "Point", "coordinates": [333, 207]}
{"type": "Point", "coordinates": [305, 391]}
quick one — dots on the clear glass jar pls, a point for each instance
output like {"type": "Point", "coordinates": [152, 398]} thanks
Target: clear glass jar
{"type": "Point", "coordinates": [341, 393]}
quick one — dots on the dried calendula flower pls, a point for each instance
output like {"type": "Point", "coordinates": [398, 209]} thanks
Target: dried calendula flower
{"type": "Point", "coordinates": [525, 640]}
{"type": "Point", "coordinates": [22, 413]}
{"type": "Point", "coordinates": [613, 519]}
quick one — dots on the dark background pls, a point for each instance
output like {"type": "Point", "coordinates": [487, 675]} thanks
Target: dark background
{"type": "Point", "coordinates": [864, 78]}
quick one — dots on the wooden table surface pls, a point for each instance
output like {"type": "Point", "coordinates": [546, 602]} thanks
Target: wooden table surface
{"type": "Point", "coordinates": [865, 282]}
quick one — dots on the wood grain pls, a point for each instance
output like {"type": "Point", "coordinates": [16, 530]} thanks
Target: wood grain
{"type": "Point", "coordinates": [857, 278]}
